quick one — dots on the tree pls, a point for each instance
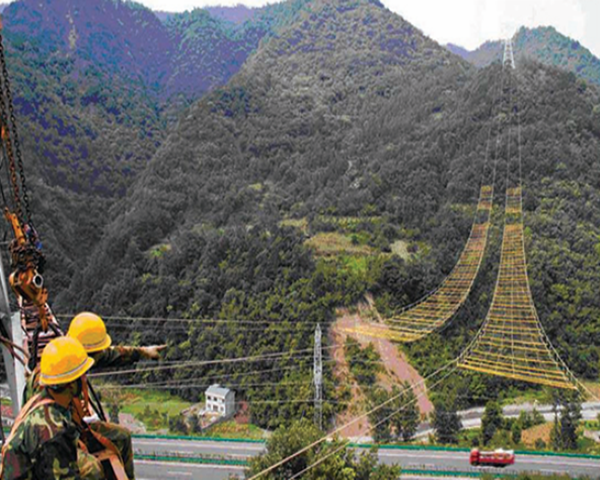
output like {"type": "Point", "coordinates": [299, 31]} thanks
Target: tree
{"type": "Point", "coordinates": [380, 419]}
{"type": "Point", "coordinates": [194, 423]}
{"type": "Point", "coordinates": [446, 422]}
{"type": "Point", "coordinates": [407, 420]}
{"type": "Point", "coordinates": [369, 468]}
{"type": "Point", "coordinates": [491, 421]}
{"type": "Point", "coordinates": [516, 432]}
{"type": "Point", "coordinates": [283, 443]}
{"type": "Point", "coordinates": [341, 465]}
{"type": "Point", "coordinates": [564, 431]}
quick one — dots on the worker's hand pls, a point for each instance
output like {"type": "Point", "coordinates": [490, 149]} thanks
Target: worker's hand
{"type": "Point", "coordinates": [153, 352]}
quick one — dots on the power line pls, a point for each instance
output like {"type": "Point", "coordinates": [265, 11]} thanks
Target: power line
{"type": "Point", "coordinates": [177, 382]}
{"type": "Point", "coordinates": [196, 320]}
{"type": "Point", "coordinates": [353, 421]}
{"type": "Point", "coordinates": [224, 361]}
{"type": "Point", "coordinates": [169, 386]}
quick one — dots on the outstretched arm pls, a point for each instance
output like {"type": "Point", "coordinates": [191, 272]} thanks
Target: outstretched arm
{"type": "Point", "coordinates": [123, 356]}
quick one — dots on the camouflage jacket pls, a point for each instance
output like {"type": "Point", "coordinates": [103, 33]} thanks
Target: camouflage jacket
{"type": "Point", "coordinates": [43, 446]}
{"type": "Point", "coordinates": [111, 357]}
{"type": "Point", "coordinates": [117, 357]}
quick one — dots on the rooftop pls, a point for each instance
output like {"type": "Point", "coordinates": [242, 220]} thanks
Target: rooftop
{"type": "Point", "coordinates": [216, 389]}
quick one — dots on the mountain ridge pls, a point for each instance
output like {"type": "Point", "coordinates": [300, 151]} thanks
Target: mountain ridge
{"type": "Point", "coordinates": [544, 44]}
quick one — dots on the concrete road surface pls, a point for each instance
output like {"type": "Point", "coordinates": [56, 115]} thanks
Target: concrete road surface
{"type": "Point", "coordinates": [150, 470]}
{"type": "Point", "coordinates": [409, 459]}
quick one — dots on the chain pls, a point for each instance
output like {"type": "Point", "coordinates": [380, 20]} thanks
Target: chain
{"type": "Point", "coordinates": [15, 136]}
{"type": "Point", "coordinates": [11, 158]}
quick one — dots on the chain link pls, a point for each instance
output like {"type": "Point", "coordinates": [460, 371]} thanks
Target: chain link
{"type": "Point", "coordinates": [13, 145]}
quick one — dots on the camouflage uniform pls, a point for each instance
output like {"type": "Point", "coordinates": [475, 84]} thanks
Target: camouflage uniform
{"type": "Point", "coordinates": [120, 437]}
{"type": "Point", "coordinates": [112, 357]}
{"type": "Point", "coordinates": [44, 445]}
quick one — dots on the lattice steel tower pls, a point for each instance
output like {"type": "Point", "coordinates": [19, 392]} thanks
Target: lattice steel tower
{"type": "Point", "coordinates": [509, 58]}
{"type": "Point", "coordinates": [318, 378]}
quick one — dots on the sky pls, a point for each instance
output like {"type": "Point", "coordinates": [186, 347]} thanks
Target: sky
{"type": "Point", "coordinates": [467, 23]}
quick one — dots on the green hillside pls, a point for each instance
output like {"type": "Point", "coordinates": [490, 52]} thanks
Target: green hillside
{"type": "Point", "coordinates": [349, 112]}
{"type": "Point", "coordinates": [546, 45]}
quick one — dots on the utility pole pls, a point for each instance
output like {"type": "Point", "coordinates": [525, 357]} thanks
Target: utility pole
{"type": "Point", "coordinates": [318, 379]}
{"type": "Point", "coordinates": [509, 58]}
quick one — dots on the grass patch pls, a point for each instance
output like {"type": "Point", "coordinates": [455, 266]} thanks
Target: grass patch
{"type": "Point", "coordinates": [231, 429]}
{"type": "Point", "coordinates": [161, 401]}
{"type": "Point", "coordinates": [299, 223]}
{"type": "Point", "coordinates": [147, 406]}
{"type": "Point", "coordinates": [351, 224]}
{"type": "Point", "coordinates": [356, 266]}
{"type": "Point", "coordinates": [518, 397]}
{"type": "Point", "coordinates": [400, 248]}
{"type": "Point", "coordinates": [537, 433]}
{"type": "Point", "coordinates": [333, 244]}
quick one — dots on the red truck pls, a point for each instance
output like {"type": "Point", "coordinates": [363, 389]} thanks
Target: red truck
{"type": "Point", "coordinates": [497, 458]}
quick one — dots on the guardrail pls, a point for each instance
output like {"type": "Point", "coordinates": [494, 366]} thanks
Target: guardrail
{"type": "Point", "coordinates": [429, 472]}
{"type": "Point", "coordinates": [432, 448]}
{"type": "Point", "coordinates": [187, 459]}
{"type": "Point", "coordinates": [197, 439]}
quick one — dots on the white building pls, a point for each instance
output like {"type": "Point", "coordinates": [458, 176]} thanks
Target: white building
{"type": "Point", "coordinates": [220, 400]}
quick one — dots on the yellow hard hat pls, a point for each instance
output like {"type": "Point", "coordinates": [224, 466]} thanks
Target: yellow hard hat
{"type": "Point", "coordinates": [90, 330]}
{"type": "Point", "coordinates": [63, 360]}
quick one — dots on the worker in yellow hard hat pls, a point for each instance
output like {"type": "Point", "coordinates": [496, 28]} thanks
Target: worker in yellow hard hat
{"type": "Point", "coordinates": [90, 330]}
{"type": "Point", "coordinates": [44, 440]}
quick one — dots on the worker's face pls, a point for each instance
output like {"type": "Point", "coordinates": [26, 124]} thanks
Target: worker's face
{"type": "Point", "coordinates": [75, 388]}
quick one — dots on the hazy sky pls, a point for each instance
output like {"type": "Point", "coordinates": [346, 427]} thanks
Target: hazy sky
{"type": "Point", "coordinates": [467, 22]}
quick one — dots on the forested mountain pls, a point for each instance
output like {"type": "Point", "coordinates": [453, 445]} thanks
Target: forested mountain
{"type": "Point", "coordinates": [341, 113]}
{"type": "Point", "coordinates": [350, 111]}
{"type": "Point", "coordinates": [544, 44]}
{"type": "Point", "coordinates": [238, 14]}
{"type": "Point", "coordinates": [309, 125]}
{"type": "Point", "coordinates": [294, 131]}
{"type": "Point", "coordinates": [96, 85]}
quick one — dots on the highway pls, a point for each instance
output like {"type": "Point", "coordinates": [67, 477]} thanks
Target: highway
{"type": "Point", "coordinates": [150, 470]}
{"type": "Point", "coordinates": [409, 459]}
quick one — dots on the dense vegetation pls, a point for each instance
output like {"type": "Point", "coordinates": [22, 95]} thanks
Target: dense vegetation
{"type": "Point", "coordinates": [543, 44]}
{"type": "Point", "coordinates": [326, 460]}
{"type": "Point", "coordinates": [96, 86]}
{"type": "Point", "coordinates": [348, 121]}
{"type": "Point", "coordinates": [344, 121]}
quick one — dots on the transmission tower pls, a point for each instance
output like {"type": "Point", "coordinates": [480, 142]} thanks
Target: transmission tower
{"type": "Point", "coordinates": [509, 58]}
{"type": "Point", "coordinates": [318, 378]}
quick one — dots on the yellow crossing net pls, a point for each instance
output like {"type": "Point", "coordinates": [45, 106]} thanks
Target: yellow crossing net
{"type": "Point", "coordinates": [420, 319]}
{"type": "Point", "coordinates": [511, 342]}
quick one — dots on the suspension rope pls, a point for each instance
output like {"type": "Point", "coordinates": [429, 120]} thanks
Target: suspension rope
{"type": "Point", "coordinates": [435, 309]}
{"type": "Point", "coordinates": [511, 342]}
